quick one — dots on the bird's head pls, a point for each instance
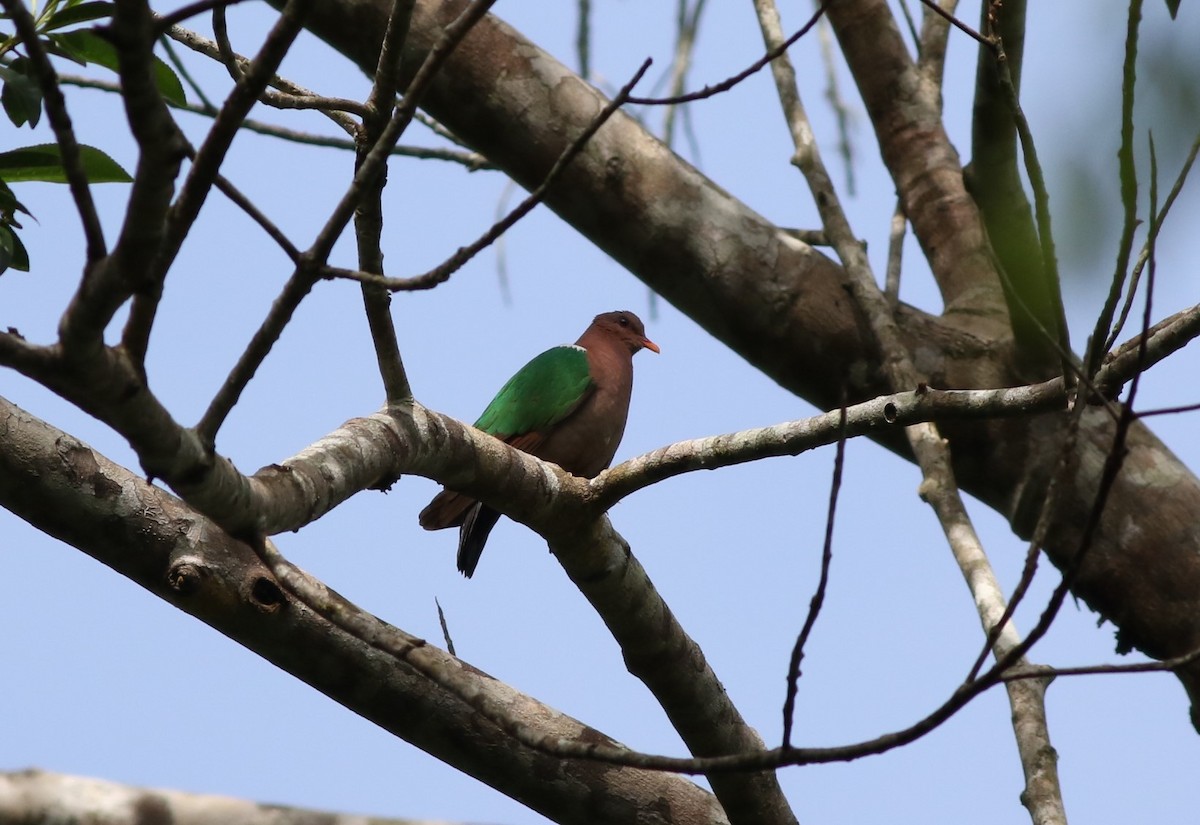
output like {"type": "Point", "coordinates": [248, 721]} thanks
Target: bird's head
{"type": "Point", "coordinates": [625, 327]}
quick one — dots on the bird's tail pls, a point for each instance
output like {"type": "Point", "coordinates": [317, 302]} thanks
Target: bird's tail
{"type": "Point", "coordinates": [473, 535]}
{"type": "Point", "coordinates": [448, 509]}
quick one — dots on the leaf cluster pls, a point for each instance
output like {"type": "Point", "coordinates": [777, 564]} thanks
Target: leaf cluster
{"type": "Point", "coordinates": [61, 32]}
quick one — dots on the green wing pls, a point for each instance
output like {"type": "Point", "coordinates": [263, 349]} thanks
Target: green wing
{"type": "Point", "coordinates": [542, 393]}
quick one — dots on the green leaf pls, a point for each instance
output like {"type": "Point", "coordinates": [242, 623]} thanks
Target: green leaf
{"type": "Point", "coordinates": [44, 163]}
{"type": "Point", "coordinates": [92, 48]}
{"type": "Point", "coordinates": [7, 247]}
{"type": "Point", "coordinates": [80, 13]}
{"type": "Point", "coordinates": [1173, 7]}
{"type": "Point", "coordinates": [21, 96]}
{"type": "Point", "coordinates": [10, 206]}
{"type": "Point", "coordinates": [12, 252]}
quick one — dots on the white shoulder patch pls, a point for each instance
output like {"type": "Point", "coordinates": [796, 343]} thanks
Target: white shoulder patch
{"type": "Point", "coordinates": [573, 346]}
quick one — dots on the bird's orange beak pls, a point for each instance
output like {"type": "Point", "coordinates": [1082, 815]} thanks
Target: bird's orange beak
{"type": "Point", "coordinates": [650, 345]}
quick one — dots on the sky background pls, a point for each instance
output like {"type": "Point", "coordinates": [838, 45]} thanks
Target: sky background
{"type": "Point", "coordinates": [99, 678]}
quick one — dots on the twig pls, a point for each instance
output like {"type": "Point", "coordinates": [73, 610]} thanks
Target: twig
{"type": "Point", "coordinates": [833, 95]}
{"type": "Point", "coordinates": [1128, 177]}
{"type": "Point", "coordinates": [225, 126]}
{"type": "Point", "coordinates": [473, 161]}
{"type": "Point", "coordinates": [898, 410]}
{"type": "Point", "coordinates": [294, 96]}
{"type": "Point", "coordinates": [818, 599]}
{"type": "Point", "coordinates": [368, 218]}
{"type": "Point", "coordinates": [1156, 223]}
{"type": "Point", "coordinates": [729, 83]}
{"type": "Point", "coordinates": [443, 271]}
{"type": "Point", "coordinates": [583, 38]}
{"type": "Point", "coordinates": [312, 261]}
{"type": "Point", "coordinates": [891, 283]}
{"type": "Point", "coordinates": [687, 25]}
{"type": "Point", "coordinates": [445, 628]}
{"type": "Point", "coordinates": [931, 48]}
{"type": "Point", "coordinates": [958, 24]}
{"type": "Point", "coordinates": [255, 214]}
{"type": "Point", "coordinates": [182, 13]}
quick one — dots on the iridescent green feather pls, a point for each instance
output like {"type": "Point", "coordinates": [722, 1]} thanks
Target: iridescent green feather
{"type": "Point", "coordinates": [542, 393]}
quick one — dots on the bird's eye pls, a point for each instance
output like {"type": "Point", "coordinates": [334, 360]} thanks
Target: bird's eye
{"type": "Point", "coordinates": [623, 321]}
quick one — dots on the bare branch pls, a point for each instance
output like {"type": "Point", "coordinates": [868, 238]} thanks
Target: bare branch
{"type": "Point", "coordinates": [191, 10]}
{"type": "Point", "coordinates": [1156, 223]}
{"type": "Point", "coordinates": [39, 796]}
{"type": "Point", "coordinates": [307, 272]}
{"type": "Point", "coordinates": [473, 161]}
{"type": "Point", "coordinates": [729, 83]}
{"type": "Point", "coordinates": [368, 218]}
{"type": "Point", "coordinates": [818, 599]}
{"type": "Point", "coordinates": [190, 562]}
{"type": "Point", "coordinates": [441, 273]}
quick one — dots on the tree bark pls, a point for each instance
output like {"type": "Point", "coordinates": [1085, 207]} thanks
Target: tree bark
{"type": "Point", "coordinates": [64, 488]}
{"type": "Point", "coordinates": [34, 797]}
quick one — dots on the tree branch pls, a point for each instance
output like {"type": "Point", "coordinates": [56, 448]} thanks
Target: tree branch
{"type": "Point", "coordinates": [37, 796]}
{"type": "Point", "coordinates": [64, 488]}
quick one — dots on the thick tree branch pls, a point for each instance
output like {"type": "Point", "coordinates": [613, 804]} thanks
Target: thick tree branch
{"type": "Point", "coordinates": [67, 490]}
{"type": "Point", "coordinates": [904, 104]}
{"type": "Point", "coordinates": [33, 796]}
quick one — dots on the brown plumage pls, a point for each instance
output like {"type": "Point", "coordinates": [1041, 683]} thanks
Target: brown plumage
{"type": "Point", "coordinates": [561, 407]}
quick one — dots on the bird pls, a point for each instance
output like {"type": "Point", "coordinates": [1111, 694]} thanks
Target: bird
{"type": "Point", "coordinates": [568, 406]}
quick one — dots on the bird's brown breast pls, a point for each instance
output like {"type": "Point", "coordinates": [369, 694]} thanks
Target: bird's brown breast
{"type": "Point", "coordinates": [585, 442]}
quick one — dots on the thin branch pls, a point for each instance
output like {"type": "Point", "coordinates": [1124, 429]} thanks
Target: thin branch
{"type": "Point", "coordinates": [255, 214]}
{"type": "Point", "coordinates": [309, 269]}
{"type": "Point", "coordinates": [903, 409]}
{"type": "Point", "coordinates": [818, 599]}
{"type": "Point", "coordinates": [182, 13]}
{"type": "Point", "coordinates": [841, 109]}
{"type": "Point", "coordinates": [583, 38]}
{"type": "Point", "coordinates": [206, 105]}
{"type": "Point", "coordinates": [455, 262]}
{"type": "Point", "coordinates": [729, 83]}
{"type": "Point", "coordinates": [687, 25]}
{"type": "Point", "coordinates": [293, 95]}
{"type": "Point", "coordinates": [1128, 177]}
{"type": "Point", "coordinates": [911, 23]}
{"type": "Point", "coordinates": [368, 218]}
{"type": "Point", "coordinates": [1156, 224]}
{"type": "Point", "coordinates": [224, 48]}
{"type": "Point", "coordinates": [161, 148]}
{"type": "Point", "coordinates": [933, 6]}
{"type": "Point", "coordinates": [935, 34]}
{"type": "Point", "coordinates": [473, 161]}
{"type": "Point", "coordinates": [895, 258]}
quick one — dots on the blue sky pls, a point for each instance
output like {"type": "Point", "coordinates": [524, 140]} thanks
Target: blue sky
{"type": "Point", "coordinates": [102, 679]}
